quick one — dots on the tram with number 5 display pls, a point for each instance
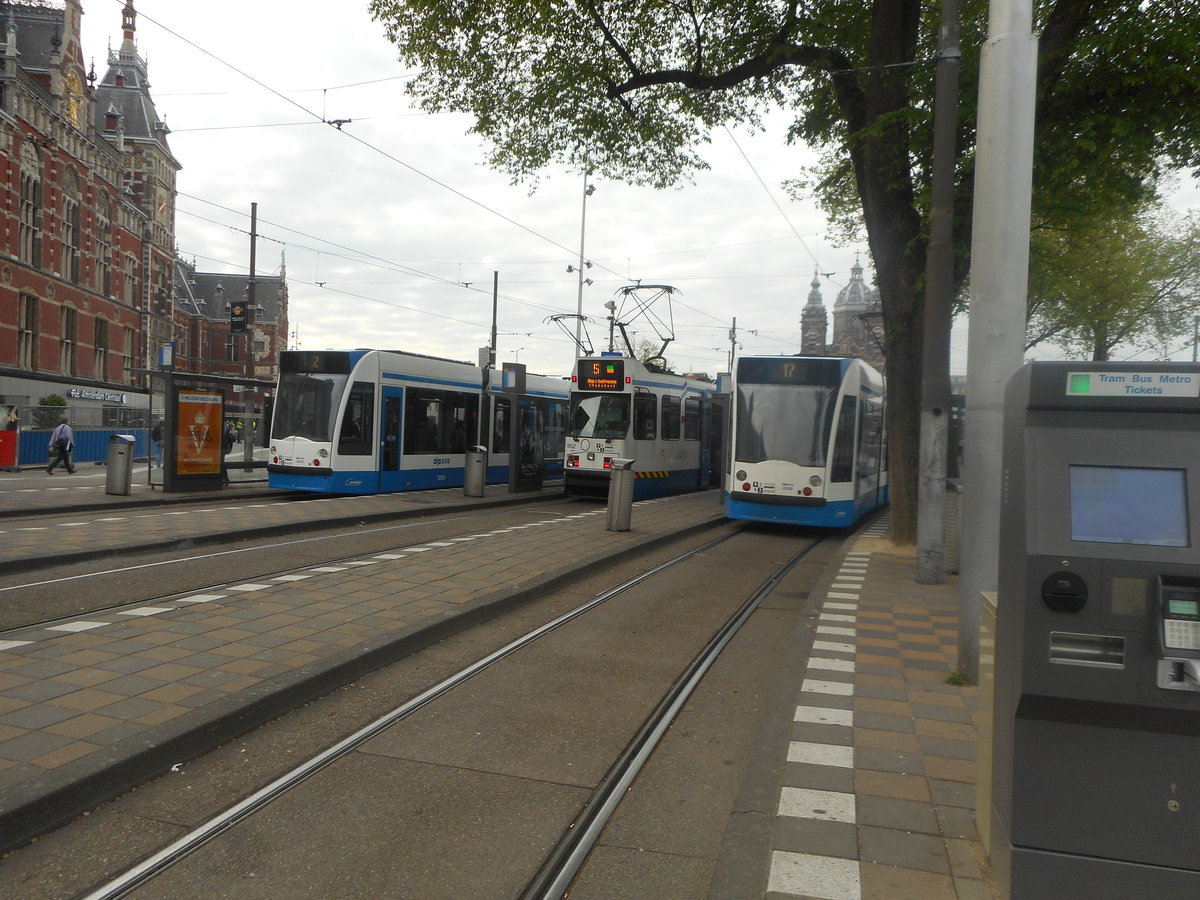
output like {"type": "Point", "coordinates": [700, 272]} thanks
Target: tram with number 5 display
{"type": "Point", "coordinates": [623, 408]}
{"type": "Point", "coordinates": [380, 421]}
{"type": "Point", "coordinates": [808, 441]}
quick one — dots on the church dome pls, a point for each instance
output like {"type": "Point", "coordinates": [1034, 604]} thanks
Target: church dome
{"type": "Point", "coordinates": [857, 294]}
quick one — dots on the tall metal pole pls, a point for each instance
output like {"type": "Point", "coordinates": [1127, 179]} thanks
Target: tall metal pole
{"type": "Point", "coordinates": [999, 289]}
{"type": "Point", "coordinates": [251, 301]}
{"type": "Point", "coordinates": [939, 304]}
{"type": "Point", "coordinates": [495, 301]}
{"type": "Point", "coordinates": [587, 189]}
{"type": "Point", "coordinates": [251, 292]}
{"type": "Point", "coordinates": [732, 343]}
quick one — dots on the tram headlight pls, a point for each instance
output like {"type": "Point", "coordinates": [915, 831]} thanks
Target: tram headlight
{"type": "Point", "coordinates": [740, 475]}
{"type": "Point", "coordinates": [323, 453]}
{"type": "Point", "coordinates": [573, 460]}
{"type": "Point", "coordinates": [814, 480]}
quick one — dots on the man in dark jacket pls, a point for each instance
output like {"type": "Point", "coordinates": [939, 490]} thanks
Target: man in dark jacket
{"type": "Point", "coordinates": [62, 442]}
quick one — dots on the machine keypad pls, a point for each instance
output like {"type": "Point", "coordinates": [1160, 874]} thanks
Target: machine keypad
{"type": "Point", "coordinates": [1182, 635]}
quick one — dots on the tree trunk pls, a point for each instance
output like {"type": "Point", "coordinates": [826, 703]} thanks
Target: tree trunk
{"type": "Point", "coordinates": [903, 322]}
{"type": "Point", "coordinates": [880, 155]}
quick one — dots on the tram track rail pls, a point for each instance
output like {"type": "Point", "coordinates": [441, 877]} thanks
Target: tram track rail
{"type": "Point", "coordinates": [554, 877]}
{"type": "Point", "coordinates": [75, 580]}
{"type": "Point", "coordinates": [562, 864]}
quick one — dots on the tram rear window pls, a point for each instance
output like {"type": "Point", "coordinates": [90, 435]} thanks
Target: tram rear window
{"type": "Point", "coordinates": [321, 363]}
{"type": "Point", "coordinates": [789, 370]}
{"type": "Point", "coordinates": [1127, 505]}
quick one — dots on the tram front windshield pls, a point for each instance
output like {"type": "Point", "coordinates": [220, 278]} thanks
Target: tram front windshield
{"type": "Point", "coordinates": [604, 416]}
{"type": "Point", "coordinates": [785, 422]}
{"type": "Point", "coordinates": [306, 406]}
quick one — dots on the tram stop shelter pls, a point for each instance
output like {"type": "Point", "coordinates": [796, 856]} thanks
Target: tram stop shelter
{"type": "Point", "coordinates": [190, 416]}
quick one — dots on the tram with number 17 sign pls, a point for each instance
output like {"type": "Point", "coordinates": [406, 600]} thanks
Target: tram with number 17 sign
{"type": "Point", "coordinates": [808, 441]}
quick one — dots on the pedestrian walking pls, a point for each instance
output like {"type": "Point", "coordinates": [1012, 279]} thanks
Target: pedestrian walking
{"type": "Point", "coordinates": [62, 442]}
{"type": "Point", "coordinates": [228, 439]}
{"type": "Point", "coordinates": [156, 443]}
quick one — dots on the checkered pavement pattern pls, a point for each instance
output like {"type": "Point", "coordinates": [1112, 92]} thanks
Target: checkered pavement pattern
{"type": "Point", "coordinates": [879, 788]}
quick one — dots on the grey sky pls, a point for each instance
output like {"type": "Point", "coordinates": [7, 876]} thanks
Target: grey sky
{"type": "Point", "coordinates": [384, 221]}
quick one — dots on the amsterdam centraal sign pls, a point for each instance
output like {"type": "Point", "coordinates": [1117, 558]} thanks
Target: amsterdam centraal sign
{"type": "Point", "coordinates": [102, 396]}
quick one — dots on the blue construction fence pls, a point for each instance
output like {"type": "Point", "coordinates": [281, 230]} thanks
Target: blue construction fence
{"type": "Point", "coordinates": [91, 445]}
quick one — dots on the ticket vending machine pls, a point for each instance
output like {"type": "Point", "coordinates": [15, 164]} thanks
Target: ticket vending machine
{"type": "Point", "coordinates": [1096, 750]}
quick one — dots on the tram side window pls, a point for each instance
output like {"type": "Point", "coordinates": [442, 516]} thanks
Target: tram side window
{"type": "Point", "coordinates": [870, 450]}
{"type": "Point", "coordinates": [691, 419]}
{"type": "Point", "coordinates": [645, 417]}
{"type": "Point", "coordinates": [670, 418]}
{"type": "Point", "coordinates": [842, 465]}
{"type": "Point", "coordinates": [556, 430]}
{"type": "Point", "coordinates": [358, 421]}
{"type": "Point", "coordinates": [436, 421]}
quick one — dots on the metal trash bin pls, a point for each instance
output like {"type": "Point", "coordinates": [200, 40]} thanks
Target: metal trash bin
{"type": "Point", "coordinates": [475, 476]}
{"type": "Point", "coordinates": [620, 494]}
{"type": "Point", "coordinates": [119, 477]}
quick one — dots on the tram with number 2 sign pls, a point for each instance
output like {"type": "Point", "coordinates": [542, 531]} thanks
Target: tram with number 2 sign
{"type": "Point", "coordinates": [380, 421]}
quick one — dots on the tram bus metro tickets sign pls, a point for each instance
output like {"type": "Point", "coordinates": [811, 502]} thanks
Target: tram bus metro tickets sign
{"type": "Point", "coordinates": [602, 374]}
{"type": "Point", "coordinates": [198, 439]}
{"type": "Point", "coordinates": [1133, 384]}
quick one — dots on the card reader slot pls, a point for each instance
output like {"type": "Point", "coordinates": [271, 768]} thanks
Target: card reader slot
{"type": "Point", "coordinates": [1087, 650]}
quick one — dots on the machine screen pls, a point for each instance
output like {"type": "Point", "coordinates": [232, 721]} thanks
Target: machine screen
{"type": "Point", "coordinates": [1126, 505]}
{"type": "Point", "coordinates": [1183, 607]}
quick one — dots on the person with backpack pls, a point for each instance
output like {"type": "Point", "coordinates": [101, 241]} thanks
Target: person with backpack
{"type": "Point", "coordinates": [62, 442]}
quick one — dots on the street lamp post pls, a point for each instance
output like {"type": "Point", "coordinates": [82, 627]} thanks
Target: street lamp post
{"type": "Point", "coordinates": [588, 190]}
{"type": "Point", "coordinates": [517, 354]}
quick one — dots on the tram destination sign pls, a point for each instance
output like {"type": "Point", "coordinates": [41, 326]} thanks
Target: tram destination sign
{"type": "Point", "coordinates": [1133, 384]}
{"type": "Point", "coordinates": [601, 375]}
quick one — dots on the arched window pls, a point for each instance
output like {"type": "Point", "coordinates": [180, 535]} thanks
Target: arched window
{"type": "Point", "coordinates": [71, 225]}
{"type": "Point", "coordinates": [104, 245]}
{"type": "Point", "coordinates": [30, 229]}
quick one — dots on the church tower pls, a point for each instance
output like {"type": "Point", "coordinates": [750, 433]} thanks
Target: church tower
{"type": "Point", "coordinates": [814, 321]}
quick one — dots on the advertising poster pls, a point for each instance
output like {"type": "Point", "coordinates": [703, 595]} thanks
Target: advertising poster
{"type": "Point", "coordinates": [198, 438]}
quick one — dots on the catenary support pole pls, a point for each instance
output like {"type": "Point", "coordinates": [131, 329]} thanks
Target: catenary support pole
{"type": "Point", "coordinates": [999, 286]}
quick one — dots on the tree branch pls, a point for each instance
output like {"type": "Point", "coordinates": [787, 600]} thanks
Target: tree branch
{"type": "Point", "coordinates": [774, 58]}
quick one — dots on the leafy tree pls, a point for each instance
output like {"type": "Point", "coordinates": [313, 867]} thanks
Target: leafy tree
{"type": "Point", "coordinates": [49, 411]}
{"type": "Point", "coordinates": [646, 349]}
{"type": "Point", "coordinates": [1115, 280]}
{"type": "Point", "coordinates": [630, 89]}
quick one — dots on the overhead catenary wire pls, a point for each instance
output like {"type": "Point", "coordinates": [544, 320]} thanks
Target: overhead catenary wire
{"type": "Point", "coordinates": [315, 118]}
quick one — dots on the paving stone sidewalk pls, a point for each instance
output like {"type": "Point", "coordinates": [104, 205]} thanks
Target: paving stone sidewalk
{"type": "Point", "coordinates": [879, 791]}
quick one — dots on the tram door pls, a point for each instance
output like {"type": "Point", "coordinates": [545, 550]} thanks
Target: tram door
{"type": "Point", "coordinates": [390, 476]}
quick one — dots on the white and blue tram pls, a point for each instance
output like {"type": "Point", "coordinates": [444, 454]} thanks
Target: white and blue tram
{"type": "Point", "coordinates": [381, 421]}
{"type": "Point", "coordinates": [808, 441]}
{"type": "Point", "coordinates": [622, 408]}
